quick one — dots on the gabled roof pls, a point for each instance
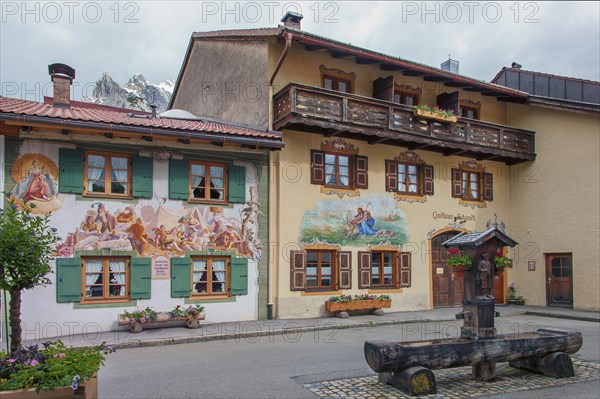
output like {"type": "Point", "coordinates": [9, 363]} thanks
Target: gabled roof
{"type": "Point", "coordinates": [387, 62]}
{"type": "Point", "coordinates": [26, 112]}
{"type": "Point", "coordinates": [472, 240]}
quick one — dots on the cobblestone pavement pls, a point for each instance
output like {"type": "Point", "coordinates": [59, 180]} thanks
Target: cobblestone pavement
{"type": "Point", "coordinates": [457, 383]}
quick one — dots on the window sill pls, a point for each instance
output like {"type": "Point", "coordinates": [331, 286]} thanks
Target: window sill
{"type": "Point", "coordinates": [101, 195]}
{"type": "Point", "coordinates": [102, 304]}
{"type": "Point", "coordinates": [410, 198]}
{"type": "Point", "coordinates": [208, 202]}
{"type": "Point", "coordinates": [340, 192]}
{"type": "Point", "coordinates": [197, 300]}
{"type": "Point", "coordinates": [472, 203]}
{"type": "Point", "coordinates": [321, 293]}
{"type": "Point", "coordinates": [376, 290]}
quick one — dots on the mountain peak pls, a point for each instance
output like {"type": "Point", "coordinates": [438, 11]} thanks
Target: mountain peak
{"type": "Point", "coordinates": [137, 93]}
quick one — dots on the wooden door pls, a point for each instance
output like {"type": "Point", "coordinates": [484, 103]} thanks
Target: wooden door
{"type": "Point", "coordinates": [447, 287]}
{"type": "Point", "coordinates": [559, 280]}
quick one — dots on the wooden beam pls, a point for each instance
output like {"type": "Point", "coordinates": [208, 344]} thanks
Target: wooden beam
{"type": "Point", "coordinates": [341, 54]}
{"type": "Point", "coordinates": [454, 152]}
{"type": "Point", "coordinates": [473, 88]}
{"type": "Point", "coordinates": [366, 61]}
{"type": "Point", "coordinates": [410, 72]}
{"type": "Point", "coordinates": [312, 47]}
{"type": "Point", "coordinates": [390, 67]}
{"type": "Point", "coordinates": [457, 84]}
{"type": "Point", "coordinates": [430, 78]}
{"type": "Point", "coordinates": [377, 140]}
{"type": "Point", "coordinates": [418, 146]}
{"type": "Point", "coordinates": [332, 132]}
{"type": "Point", "coordinates": [489, 93]}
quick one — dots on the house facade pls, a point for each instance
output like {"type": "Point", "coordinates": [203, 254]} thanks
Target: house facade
{"type": "Point", "coordinates": [365, 190]}
{"type": "Point", "coordinates": [151, 211]}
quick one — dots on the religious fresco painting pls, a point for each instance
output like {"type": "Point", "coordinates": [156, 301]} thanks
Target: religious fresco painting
{"type": "Point", "coordinates": [159, 231]}
{"type": "Point", "coordinates": [369, 220]}
{"type": "Point", "coordinates": [35, 177]}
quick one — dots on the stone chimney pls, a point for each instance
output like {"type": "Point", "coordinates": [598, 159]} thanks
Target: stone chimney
{"type": "Point", "coordinates": [62, 76]}
{"type": "Point", "coordinates": [292, 20]}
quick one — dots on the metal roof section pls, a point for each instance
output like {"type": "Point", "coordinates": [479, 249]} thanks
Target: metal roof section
{"type": "Point", "coordinates": [472, 240]}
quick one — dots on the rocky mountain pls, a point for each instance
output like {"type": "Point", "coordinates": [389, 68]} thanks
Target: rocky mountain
{"type": "Point", "coordinates": [137, 93]}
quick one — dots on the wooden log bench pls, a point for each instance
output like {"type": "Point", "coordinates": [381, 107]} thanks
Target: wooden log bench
{"type": "Point", "coordinates": [408, 365]}
{"type": "Point", "coordinates": [341, 309]}
{"type": "Point", "coordinates": [161, 317]}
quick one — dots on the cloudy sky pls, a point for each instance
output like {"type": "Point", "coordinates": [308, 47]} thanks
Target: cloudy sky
{"type": "Point", "coordinates": [150, 37]}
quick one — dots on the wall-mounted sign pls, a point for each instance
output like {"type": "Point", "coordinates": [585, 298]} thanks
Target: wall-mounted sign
{"type": "Point", "coordinates": [439, 270]}
{"type": "Point", "coordinates": [531, 265]}
{"type": "Point", "coordinates": [454, 217]}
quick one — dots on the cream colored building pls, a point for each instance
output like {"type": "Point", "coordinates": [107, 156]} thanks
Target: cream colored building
{"type": "Point", "coordinates": [365, 190]}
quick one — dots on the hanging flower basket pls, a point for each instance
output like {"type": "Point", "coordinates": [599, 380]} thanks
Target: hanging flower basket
{"type": "Point", "coordinates": [457, 262]}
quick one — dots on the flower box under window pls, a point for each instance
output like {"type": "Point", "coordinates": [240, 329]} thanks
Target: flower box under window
{"type": "Point", "coordinates": [358, 305]}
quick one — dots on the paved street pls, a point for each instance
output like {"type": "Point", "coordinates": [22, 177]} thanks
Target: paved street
{"type": "Point", "coordinates": [278, 366]}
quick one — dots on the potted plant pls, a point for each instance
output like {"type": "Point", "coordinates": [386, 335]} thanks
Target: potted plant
{"type": "Point", "coordinates": [138, 316]}
{"type": "Point", "coordinates": [511, 299]}
{"type": "Point", "coordinates": [520, 300]}
{"type": "Point", "coordinates": [501, 262]}
{"type": "Point", "coordinates": [457, 261]}
{"type": "Point", "coordinates": [51, 371]}
{"type": "Point", "coordinates": [436, 113]}
{"type": "Point", "coordinates": [358, 302]}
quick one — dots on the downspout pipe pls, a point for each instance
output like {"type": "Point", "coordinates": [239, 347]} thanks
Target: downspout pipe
{"type": "Point", "coordinates": [273, 191]}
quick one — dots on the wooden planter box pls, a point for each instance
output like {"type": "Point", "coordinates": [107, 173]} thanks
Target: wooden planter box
{"type": "Point", "coordinates": [162, 317]}
{"type": "Point", "coordinates": [358, 305]}
{"type": "Point", "coordinates": [434, 115]}
{"type": "Point", "coordinates": [87, 390]}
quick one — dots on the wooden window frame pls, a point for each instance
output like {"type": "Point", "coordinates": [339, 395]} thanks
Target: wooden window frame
{"type": "Point", "coordinates": [105, 280]}
{"type": "Point", "coordinates": [338, 185]}
{"type": "Point", "coordinates": [107, 174]}
{"type": "Point", "coordinates": [334, 271]}
{"type": "Point", "coordinates": [209, 271]}
{"type": "Point", "coordinates": [395, 270]}
{"type": "Point", "coordinates": [468, 105]}
{"type": "Point", "coordinates": [469, 181]}
{"type": "Point", "coordinates": [207, 188]}
{"type": "Point", "coordinates": [337, 75]}
{"type": "Point", "coordinates": [419, 191]}
{"type": "Point", "coordinates": [403, 94]}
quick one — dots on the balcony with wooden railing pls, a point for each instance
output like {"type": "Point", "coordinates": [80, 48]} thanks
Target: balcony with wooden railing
{"type": "Point", "coordinates": [331, 113]}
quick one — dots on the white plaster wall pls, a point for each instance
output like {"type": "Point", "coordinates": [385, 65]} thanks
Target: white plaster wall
{"type": "Point", "coordinates": [43, 317]}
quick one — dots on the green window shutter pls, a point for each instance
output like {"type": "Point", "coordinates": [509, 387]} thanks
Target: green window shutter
{"type": "Point", "coordinates": [68, 280]}
{"type": "Point", "coordinates": [181, 279]}
{"type": "Point", "coordinates": [139, 278]}
{"type": "Point", "coordinates": [142, 177]}
{"type": "Point", "coordinates": [70, 175]}
{"type": "Point", "coordinates": [239, 276]}
{"type": "Point", "coordinates": [237, 184]}
{"type": "Point", "coordinates": [179, 179]}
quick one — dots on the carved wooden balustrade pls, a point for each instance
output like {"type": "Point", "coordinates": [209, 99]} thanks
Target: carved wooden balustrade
{"type": "Point", "coordinates": [309, 108]}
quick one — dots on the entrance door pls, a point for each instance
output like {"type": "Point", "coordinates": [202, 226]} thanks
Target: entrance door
{"type": "Point", "coordinates": [559, 280]}
{"type": "Point", "coordinates": [447, 287]}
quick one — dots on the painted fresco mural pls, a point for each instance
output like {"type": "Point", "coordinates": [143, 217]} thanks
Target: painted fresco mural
{"type": "Point", "coordinates": [35, 177]}
{"type": "Point", "coordinates": [369, 220]}
{"type": "Point", "coordinates": [158, 231]}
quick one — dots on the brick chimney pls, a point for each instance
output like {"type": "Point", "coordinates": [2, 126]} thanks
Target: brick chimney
{"type": "Point", "coordinates": [62, 76]}
{"type": "Point", "coordinates": [292, 20]}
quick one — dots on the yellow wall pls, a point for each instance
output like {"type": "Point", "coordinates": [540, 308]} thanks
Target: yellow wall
{"type": "Point", "coordinates": [297, 195]}
{"type": "Point", "coordinates": [555, 201]}
{"type": "Point", "coordinates": [301, 66]}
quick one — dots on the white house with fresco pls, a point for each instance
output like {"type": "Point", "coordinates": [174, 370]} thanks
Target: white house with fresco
{"type": "Point", "coordinates": [151, 211]}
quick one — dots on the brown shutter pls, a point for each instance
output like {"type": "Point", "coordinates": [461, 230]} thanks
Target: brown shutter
{"type": "Point", "coordinates": [383, 88]}
{"type": "Point", "coordinates": [391, 176]}
{"type": "Point", "coordinates": [345, 262]}
{"type": "Point", "coordinates": [361, 172]}
{"type": "Point", "coordinates": [317, 167]}
{"type": "Point", "coordinates": [488, 190]}
{"type": "Point", "coordinates": [449, 101]}
{"type": "Point", "coordinates": [427, 180]}
{"type": "Point", "coordinates": [364, 269]}
{"type": "Point", "coordinates": [456, 183]}
{"type": "Point", "coordinates": [405, 269]}
{"type": "Point", "coordinates": [297, 271]}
